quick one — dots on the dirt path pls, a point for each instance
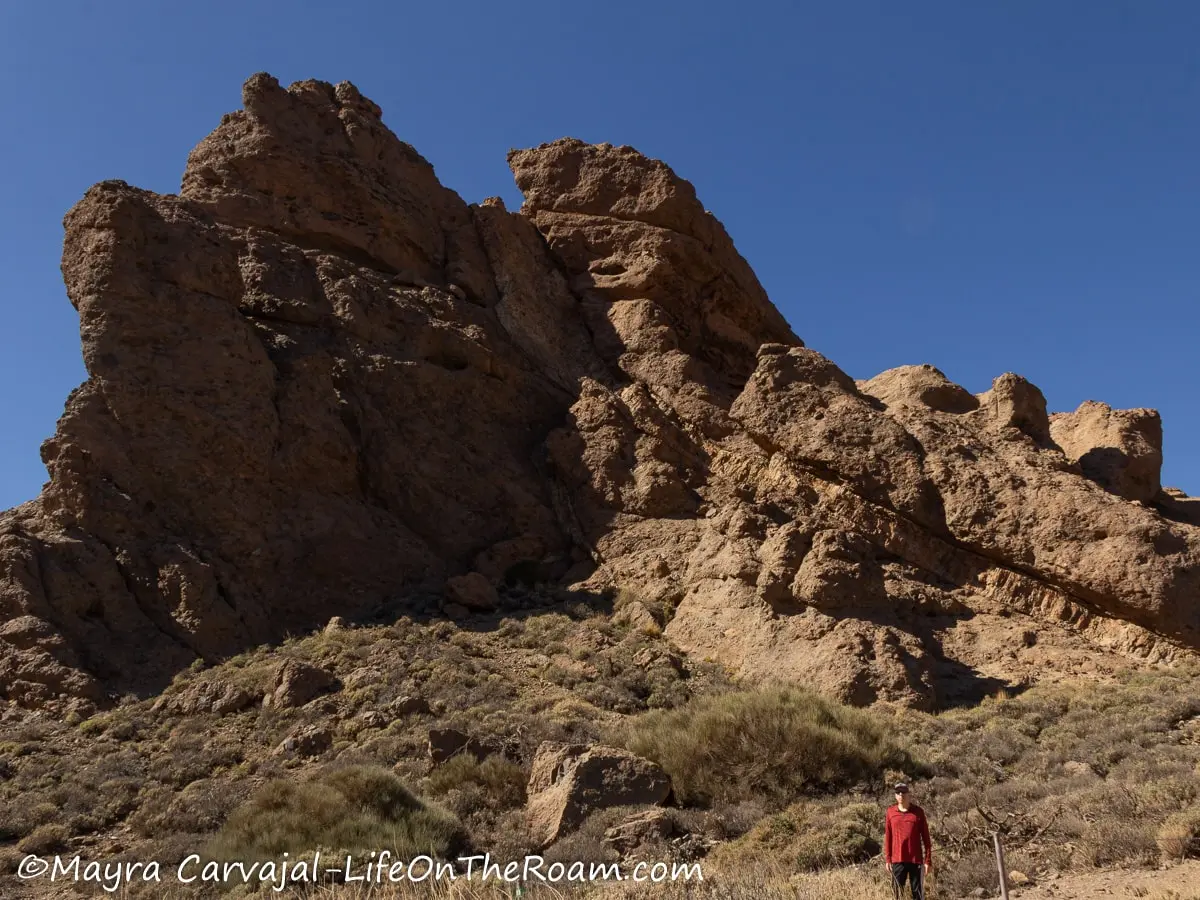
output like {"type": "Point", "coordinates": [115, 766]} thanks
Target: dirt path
{"type": "Point", "coordinates": [1180, 882]}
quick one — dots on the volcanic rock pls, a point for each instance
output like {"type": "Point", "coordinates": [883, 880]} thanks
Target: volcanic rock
{"type": "Point", "coordinates": [569, 781]}
{"type": "Point", "coordinates": [296, 683]}
{"type": "Point", "coordinates": [447, 742]}
{"type": "Point", "coordinates": [649, 827]}
{"type": "Point", "coordinates": [1119, 449]}
{"type": "Point", "coordinates": [306, 740]}
{"type": "Point", "coordinates": [319, 383]}
{"type": "Point", "coordinates": [471, 591]}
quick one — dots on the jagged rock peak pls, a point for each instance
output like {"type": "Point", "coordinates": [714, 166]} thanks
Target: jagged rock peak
{"type": "Point", "coordinates": [320, 384]}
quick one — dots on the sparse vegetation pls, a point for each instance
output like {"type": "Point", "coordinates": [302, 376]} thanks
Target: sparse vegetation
{"type": "Point", "coordinates": [353, 810]}
{"type": "Point", "coordinates": [168, 771]}
{"type": "Point", "coordinates": [778, 744]}
{"type": "Point", "coordinates": [808, 836]}
{"type": "Point", "coordinates": [478, 792]}
{"type": "Point", "coordinates": [1075, 775]}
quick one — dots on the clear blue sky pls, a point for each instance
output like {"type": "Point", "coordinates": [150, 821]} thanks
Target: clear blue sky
{"type": "Point", "coordinates": [983, 186]}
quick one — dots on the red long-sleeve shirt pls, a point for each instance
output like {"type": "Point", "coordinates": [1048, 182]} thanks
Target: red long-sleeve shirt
{"type": "Point", "coordinates": [903, 834]}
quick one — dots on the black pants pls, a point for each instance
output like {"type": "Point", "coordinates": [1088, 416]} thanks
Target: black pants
{"type": "Point", "coordinates": [911, 872]}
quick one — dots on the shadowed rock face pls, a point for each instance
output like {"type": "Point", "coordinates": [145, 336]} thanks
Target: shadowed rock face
{"type": "Point", "coordinates": [320, 381]}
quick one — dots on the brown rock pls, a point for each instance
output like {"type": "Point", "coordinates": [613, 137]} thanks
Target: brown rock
{"type": "Point", "coordinates": [307, 740]}
{"type": "Point", "coordinates": [233, 700]}
{"type": "Point", "coordinates": [501, 560]}
{"type": "Point", "coordinates": [920, 385]}
{"type": "Point", "coordinates": [635, 614]}
{"type": "Point", "coordinates": [649, 827]}
{"type": "Point", "coordinates": [296, 683]}
{"type": "Point", "coordinates": [1178, 506]}
{"type": "Point", "coordinates": [804, 404]}
{"type": "Point", "coordinates": [409, 706]}
{"type": "Point", "coordinates": [373, 719]}
{"type": "Point", "coordinates": [319, 381]}
{"type": "Point", "coordinates": [1015, 403]}
{"type": "Point", "coordinates": [447, 742]}
{"type": "Point", "coordinates": [472, 591]}
{"type": "Point", "coordinates": [570, 781]}
{"type": "Point", "coordinates": [1119, 449]}
{"type": "Point", "coordinates": [207, 696]}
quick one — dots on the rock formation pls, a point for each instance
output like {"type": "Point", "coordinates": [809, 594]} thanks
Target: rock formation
{"type": "Point", "coordinates": [568, 782]}
{"type": "Point", "coordinates": [319, 381]}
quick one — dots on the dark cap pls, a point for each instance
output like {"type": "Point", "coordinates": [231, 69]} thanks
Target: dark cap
{"type": "Point", "coordinates": [901, 788]}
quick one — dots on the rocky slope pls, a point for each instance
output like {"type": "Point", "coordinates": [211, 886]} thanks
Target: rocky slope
{"type": "Point", "coordinates": [319, 382]}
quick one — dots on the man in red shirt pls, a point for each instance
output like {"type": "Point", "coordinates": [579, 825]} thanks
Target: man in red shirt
{"type": "Point", "coordinates": [907, 850]}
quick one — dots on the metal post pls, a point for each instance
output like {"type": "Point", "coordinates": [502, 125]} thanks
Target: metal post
{"type": "Point", "coordinates": [1000, 865]}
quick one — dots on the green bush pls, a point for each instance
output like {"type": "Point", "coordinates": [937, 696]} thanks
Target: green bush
{"type": "Point", "coordinates": [776, 743]}
{"type": "Point", "coordinates": [353, 810]}
{"type": "Point", "coordinates": [470, 786]}
{"type": "Point", "coordinates": [44, 839]}
{"type": "Point", "coordinates": [811, 835]}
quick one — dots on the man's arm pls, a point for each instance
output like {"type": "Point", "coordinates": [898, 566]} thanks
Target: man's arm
{"type": "Point", "coordinates": [926, 840]}
{"type": "Point", "coordinates": [887, 838]}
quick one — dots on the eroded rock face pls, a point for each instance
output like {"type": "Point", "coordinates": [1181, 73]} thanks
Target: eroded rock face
{"type": "Point", "coordinates": [319, 381]}
{"type": "Point", "coordinates": [1119, 449]}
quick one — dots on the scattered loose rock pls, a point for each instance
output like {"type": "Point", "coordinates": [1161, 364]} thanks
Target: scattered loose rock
{"type": "Point", "coordinates": [472, 591]}
{"type": "Point", "coordinates": [447, 742]}
{"type": "Point", "coordinates": [296, 683]}
{"type": "Point", "coordinates": [649, 827]}
{"type": "Point", "coordinates": [234, 700]}
{"type": "Point", "coordinates": [409, 706]}
{"type": "Point", "coordinates": [307, 740]}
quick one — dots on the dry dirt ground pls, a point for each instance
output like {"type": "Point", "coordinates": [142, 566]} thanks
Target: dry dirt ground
{"type": "Point", "coordinates": [1177, 882]}
{"type": "Point", "coordinates": [1180, 882]}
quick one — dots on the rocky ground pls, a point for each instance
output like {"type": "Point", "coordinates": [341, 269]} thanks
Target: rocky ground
{"type": "Point", "coordinates": [479, 717]}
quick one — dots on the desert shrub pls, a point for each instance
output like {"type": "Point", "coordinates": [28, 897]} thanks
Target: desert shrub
{"type": "Point", "coordinates": [199, 808]}
{"type": "Point", "coordinates": [974, 869]}
{"type": "Point", "coordinates": [543, 632]}
{"type": "Point", "coordinates": [810, 835]}
{"type": "Point", "coordinates": [778, 743]}
{"type": "Point", "coordinates": [470, 787]}
{"type": "Point", "coordinates": [732, 820]}
{"type": "Point", "coordinates": [22, 819]}
{"type": "Point", "coordinates": [1094, 772]}
{"type": "Point", "coordinates": [106, 803]}
{"type": "Point", "coordinates": [44, 839]}
{"type": "Point", "coordinates": [10, 859]}
{"type": "Point", "coordinates": [1179, 835]}
{"type": "Point", "coordinates": [1111, 843]}
{"type": "Point", "coordinates": [352, 810]}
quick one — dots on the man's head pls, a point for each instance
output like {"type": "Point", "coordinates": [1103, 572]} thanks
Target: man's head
{"type": "Point", "coordinates": [902, 794]}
